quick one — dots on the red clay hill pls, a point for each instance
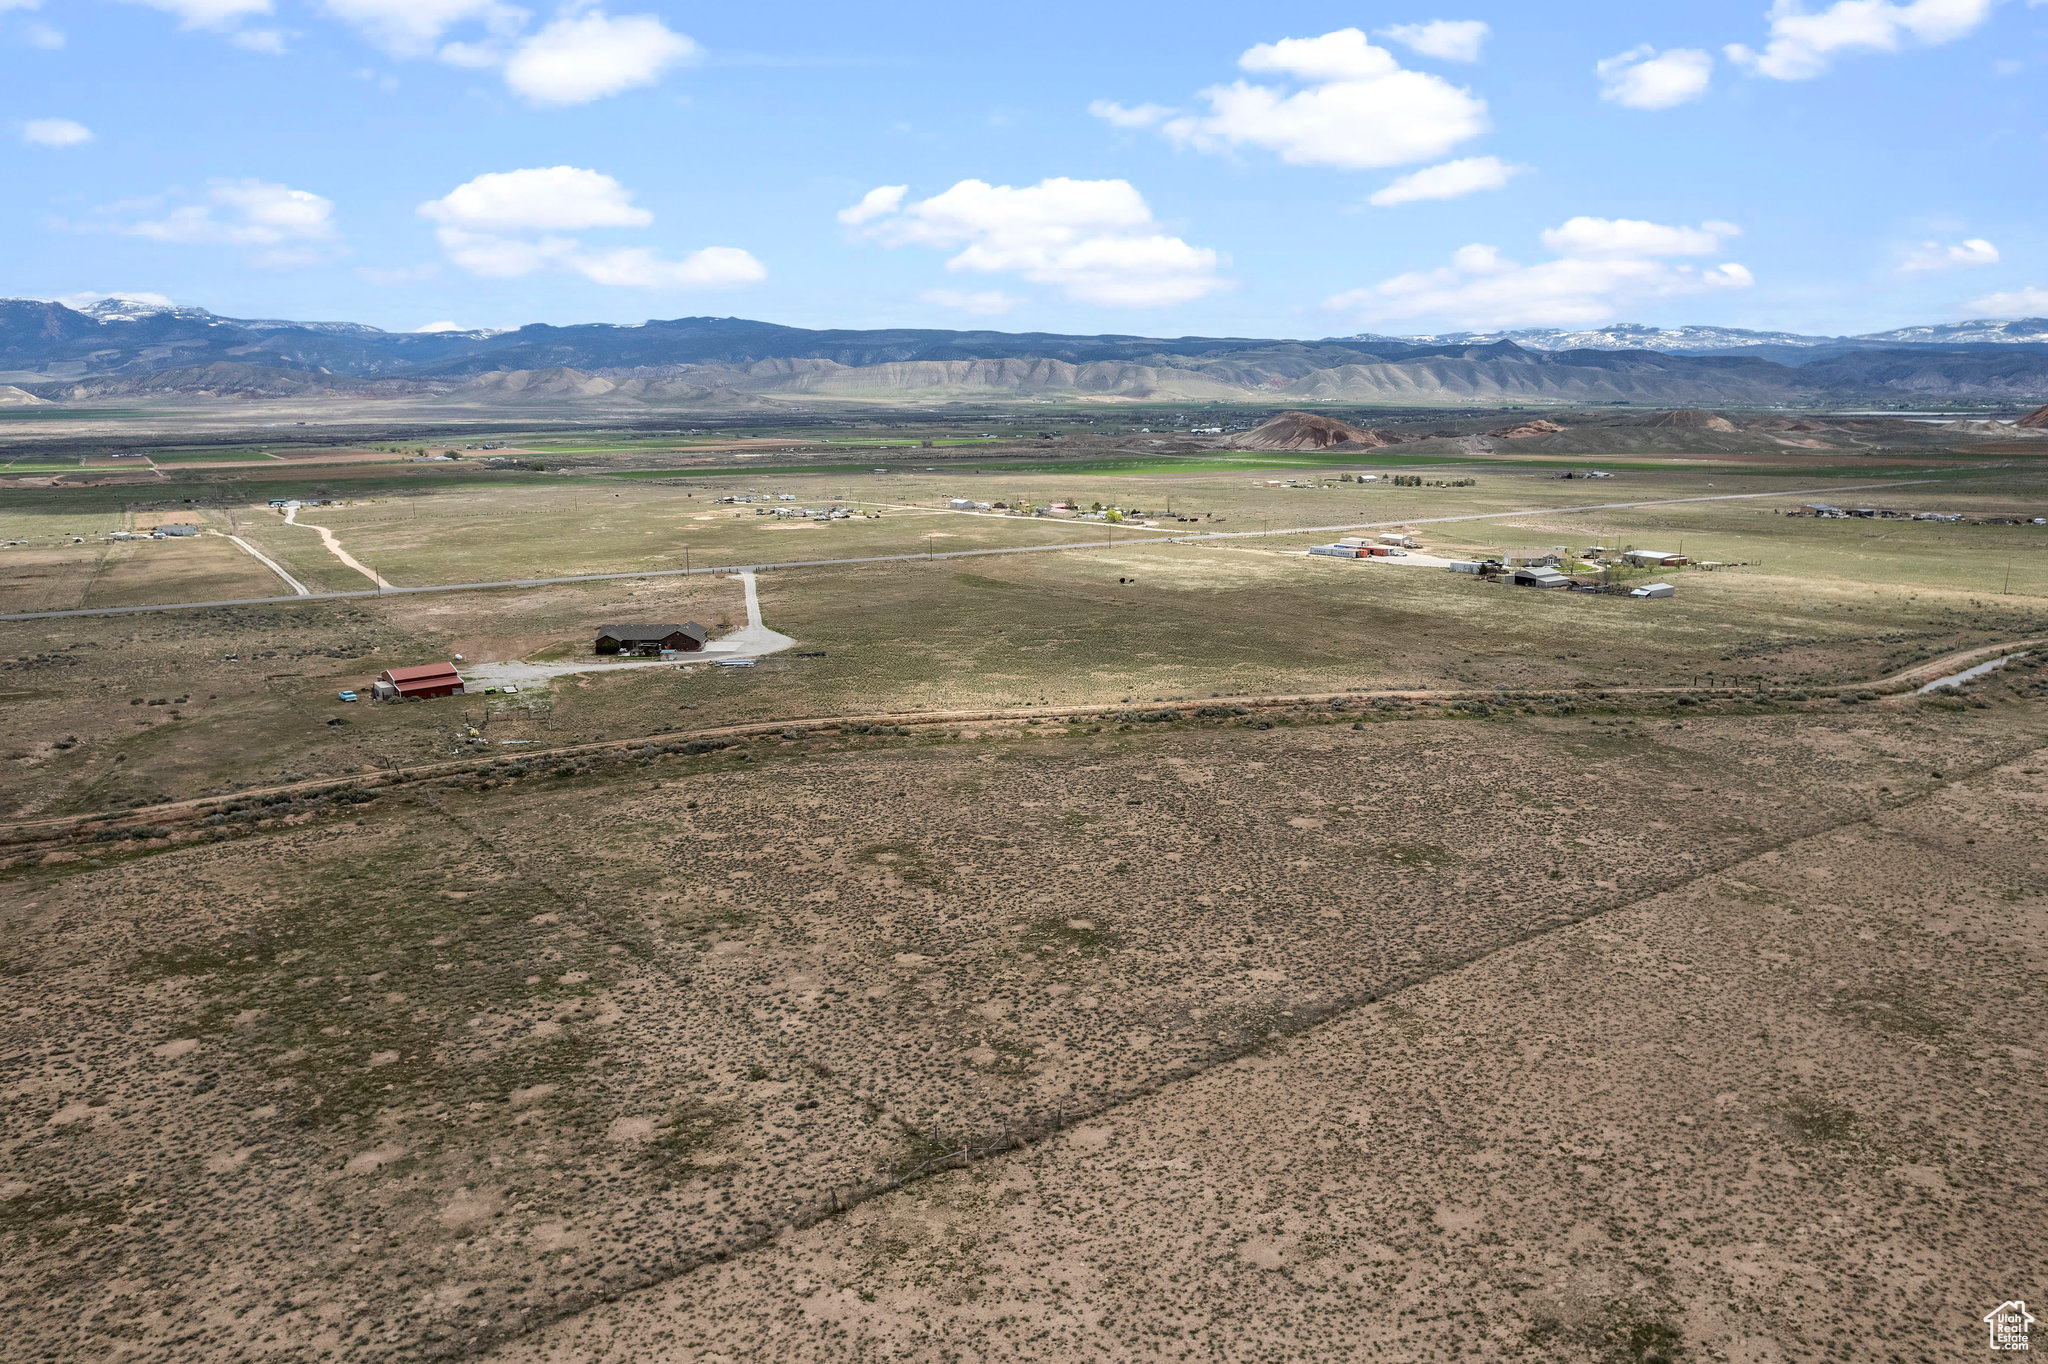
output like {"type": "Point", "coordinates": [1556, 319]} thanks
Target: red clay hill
{"type": "Point", "coordinates": [2037, 420]}
{"type": "Point", "coordinates": [1312, 431]}
{"type": "Point", "coordinates": [1523, 430]}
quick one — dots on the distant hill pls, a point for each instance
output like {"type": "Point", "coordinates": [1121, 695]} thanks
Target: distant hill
{"type": "Point", "coordinates": [119, 348]}
{"type": "Point", "coordinates": [1312, 431]}
{"type": "Point", "coordinates": [1691, 419]}
{"type": "Point", "coordinates": [2025, 331]}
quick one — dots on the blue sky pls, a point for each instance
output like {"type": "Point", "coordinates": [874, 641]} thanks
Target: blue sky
{"type": "Point", "coordinates": [1292, 169]}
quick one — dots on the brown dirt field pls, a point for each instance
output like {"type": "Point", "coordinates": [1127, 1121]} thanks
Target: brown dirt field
{"type": "Point", "coordinates": [193, 568]}
{"type": "Point", "coordinates": [1790, 1109]}
{"type": "Point", "coordinates": [413, 1078]}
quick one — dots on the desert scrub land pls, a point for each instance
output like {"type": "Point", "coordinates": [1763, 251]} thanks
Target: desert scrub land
{"type": "Point", "coordinates": [1791, 1102]}
{"type": "Point", "coordinates": [411, 1076]}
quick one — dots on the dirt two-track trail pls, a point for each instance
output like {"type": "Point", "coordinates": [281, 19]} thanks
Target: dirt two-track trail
{"type": "Point", "coordinates": [925, 718]}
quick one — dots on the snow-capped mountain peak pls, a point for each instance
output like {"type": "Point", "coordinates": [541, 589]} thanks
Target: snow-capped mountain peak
{"type": "Point", "coordinates": [136, 307]}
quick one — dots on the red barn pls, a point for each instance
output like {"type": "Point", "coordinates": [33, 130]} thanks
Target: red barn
{"type": "Point", "coordinates": [429, 679]}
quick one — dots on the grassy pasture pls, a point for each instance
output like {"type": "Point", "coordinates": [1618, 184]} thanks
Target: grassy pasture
{"type": "Point", "coordinates": [1831, 601]}
{"type": "Point", "coordinates": [1187, 621]}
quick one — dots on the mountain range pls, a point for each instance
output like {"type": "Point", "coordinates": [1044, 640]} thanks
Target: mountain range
{"type": "Point", "coordinates": [123, 348]}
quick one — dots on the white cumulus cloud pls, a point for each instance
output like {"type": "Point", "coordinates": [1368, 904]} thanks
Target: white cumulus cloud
{"type": "Point", "coordinates": [278, 225]}
{"type": "Point", "coordinates": [714, 267]}
{"type": "Point", "coordinates": [1451, 40]}
{"type": "Point", "coordinates": [209, 14]}
{"type": "Point", "coordinates": [1804, 43]}
{"type": "Point", "coordinates": [1935, 256]}
{"type": "Point", "coordinates": [1094, 240]}
{"type": "Point", "coordinates": [2031, 301]}
{"type": "Point", "coordinates": [1600, 267]}
{"type": "Point", "coordinates": [979, 302]}
{"type": "Point", "coordinates": [553, 198]}
{"type": "Point", "coordinates": [876, 203]}
{"type": "Point", "coordinates": [1140, 116]}
{"type": "Point", "coordinates": [508, 224]}
{"type": "Point", "coordinates": [1337, 100]}
{"type": "Point", "coordinates": [582, 57]}
{"type": "Point", "coordinates": [1590, 237]}
{"type": "Point", "coordinates": [412, 28]}
{"type": "Point", "coordinates": [43, 36]}
{"type": "Point", "coordinates": [55, 132]}
{"type": "Point", "coordinates": [582, 54]}
{"type": "Point", "coordinates": [1644, 78]}
{"type": "Point", "coordinates": [1449, 180]}
{"type": "Point", "coordinates": [270, 41]}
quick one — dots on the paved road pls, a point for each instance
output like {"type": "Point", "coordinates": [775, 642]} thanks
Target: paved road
{"type": "Point", "coordinates": [1189, 539]}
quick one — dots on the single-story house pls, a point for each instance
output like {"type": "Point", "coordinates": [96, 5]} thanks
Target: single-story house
{"type": "Point", "coordinates": [408, 684]}
{"type": "Point", "coordinates": [1467, 566]}
{"type": "Point", "coordinates": [651, 639]}
{"type": "Point", "coordinates": [1540, 577]}
{"type": "Point", "coordinates": [176, 528]}
{"type": "Point", "coordinates": [961, 503]}
{"type": "Point", "coordinates": [1655, 558]}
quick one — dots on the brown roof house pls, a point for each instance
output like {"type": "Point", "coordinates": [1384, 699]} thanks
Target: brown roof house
{"type": "Point", "coordinates": [413, 684]}
{"type": "Point", "coordinates": [651, 639]}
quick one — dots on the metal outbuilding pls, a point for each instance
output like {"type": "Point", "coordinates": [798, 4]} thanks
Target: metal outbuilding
{"type": "Point", "coordinates": [1539, 577]}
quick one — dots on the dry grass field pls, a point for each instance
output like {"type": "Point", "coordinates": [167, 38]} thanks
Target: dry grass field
{"type": "Point", "coordinates": [1641, 985]}
{"type": "Point", "coordinates": [1789, 1110]}
{"type": "Point", "coordinates": [409, 1078]}
{"type": "Point", "coordinates": [1088, 627]}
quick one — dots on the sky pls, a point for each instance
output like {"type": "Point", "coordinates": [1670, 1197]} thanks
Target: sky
{"type": "Point", "coordinates": [1187, 168]}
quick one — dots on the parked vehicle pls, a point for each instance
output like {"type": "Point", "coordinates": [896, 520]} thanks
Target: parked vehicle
{"type": "Point", "coordinates": [345, 696]}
